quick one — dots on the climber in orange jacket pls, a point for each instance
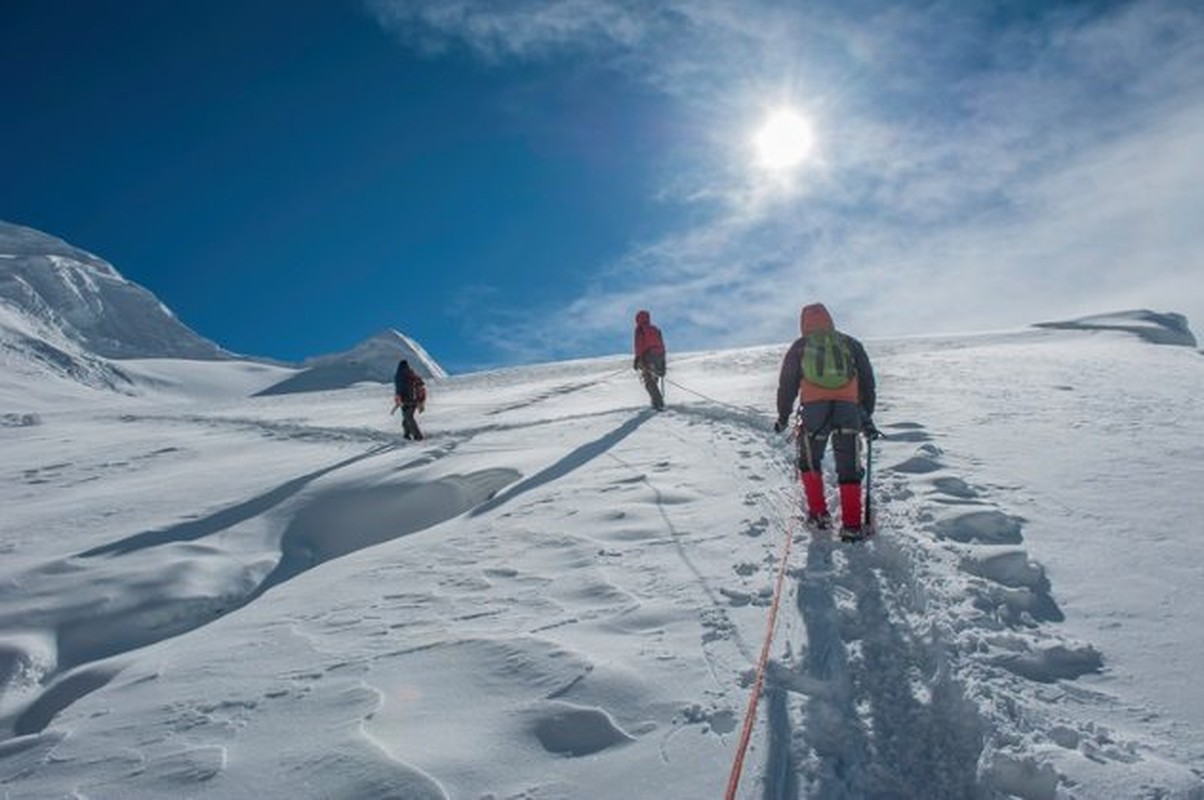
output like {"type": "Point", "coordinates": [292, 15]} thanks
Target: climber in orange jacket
{"type": "Point", "coordinates": [830, 375]}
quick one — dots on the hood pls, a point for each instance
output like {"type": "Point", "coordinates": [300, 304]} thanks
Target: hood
{"type": "Point", "coordinates": [643, 318]}
{"type": "Point", "coordinates": [815, 317]}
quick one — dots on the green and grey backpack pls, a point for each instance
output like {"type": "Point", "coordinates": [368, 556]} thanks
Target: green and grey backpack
{"type": "Point", "coordinates": [827, 359]}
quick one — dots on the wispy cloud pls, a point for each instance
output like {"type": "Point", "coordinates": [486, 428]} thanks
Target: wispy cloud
{"type": "Point", "coordinates": [523, 29]}
{"type": "Point", "coordinates": [975, 169]}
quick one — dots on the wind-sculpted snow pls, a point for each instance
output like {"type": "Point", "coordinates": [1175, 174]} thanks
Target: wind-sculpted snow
{"type": "Point", "coordinates": [132, 607]}
{"type": "Point", "coordinates": [341, 521]}
{"type": "Point", "coordinates": [1151, 326]}
{"type": "Point", "coordinates": [573, 731]}
{"type": "Point", "coordinates": [982, 527]}
{"type": "Point", "coordinates": [562, 594]}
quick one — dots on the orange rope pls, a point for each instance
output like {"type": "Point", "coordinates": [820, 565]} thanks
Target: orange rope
{"type": "Point", "coordinates": [750, 715]}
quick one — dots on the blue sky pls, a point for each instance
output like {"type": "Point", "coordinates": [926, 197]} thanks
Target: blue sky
{"type": "Point", "coordinates": [509, 182]}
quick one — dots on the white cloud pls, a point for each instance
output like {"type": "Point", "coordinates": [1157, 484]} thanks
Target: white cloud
{"type": "Point", "coordinates": [974, 173]}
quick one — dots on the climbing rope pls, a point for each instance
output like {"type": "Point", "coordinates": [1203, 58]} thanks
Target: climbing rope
{"type": "Point", "coordinates": [750, 715]}
{"type": "Point", "coordinates": [741, 409]}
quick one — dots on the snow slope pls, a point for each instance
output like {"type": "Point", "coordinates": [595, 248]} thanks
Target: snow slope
{"type": "Point", "coordinates": [48, 362]}
{"type": "Point", "coordinates": [561, 594]}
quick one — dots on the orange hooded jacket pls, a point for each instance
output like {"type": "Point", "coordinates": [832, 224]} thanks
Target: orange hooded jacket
{"type": "Point", "coordinates": [860, 389]}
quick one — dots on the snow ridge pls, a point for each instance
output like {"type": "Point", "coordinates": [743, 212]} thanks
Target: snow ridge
{"type": "Point", "coordinates": [1152, 326]}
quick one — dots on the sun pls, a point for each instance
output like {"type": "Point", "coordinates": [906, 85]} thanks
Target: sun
{"type": "Point", "coordinates": [784, 140]}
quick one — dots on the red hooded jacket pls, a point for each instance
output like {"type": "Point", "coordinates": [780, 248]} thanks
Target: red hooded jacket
{"type": "Point", "coordinates": [648, 337]}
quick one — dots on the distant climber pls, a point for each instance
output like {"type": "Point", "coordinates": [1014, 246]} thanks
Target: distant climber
{"type": "Point", "coordinates": [650, 357]}
{"type": "Point", "coordinates": [409, 392]}
{"type": "Point", "coordinates": [830, 374]}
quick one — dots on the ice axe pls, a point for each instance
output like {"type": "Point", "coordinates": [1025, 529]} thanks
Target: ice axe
{"type": "Point", "coordinates": [871, 433]}
{"type": "Point", "coordinates": [869, 495]}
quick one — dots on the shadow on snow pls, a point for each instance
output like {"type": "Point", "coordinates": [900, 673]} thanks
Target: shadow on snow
{"type": "Point", "coordinates": [573, 461]}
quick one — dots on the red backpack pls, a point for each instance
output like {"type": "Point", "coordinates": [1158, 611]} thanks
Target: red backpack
{"type": "Point", "coordinates": [417, 389]}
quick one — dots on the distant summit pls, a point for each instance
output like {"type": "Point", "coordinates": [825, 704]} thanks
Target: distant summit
{"type": "Point", "coordinates": [1152, 326]}
{"type": "Point", "coordinates": [375, 359]}
{"type": "Point", "coordinates": [63, 289]}
{"type": "Point", "coordinates": [68, 313]}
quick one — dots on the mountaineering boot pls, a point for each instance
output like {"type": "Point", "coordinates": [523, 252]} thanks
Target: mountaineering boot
{"type": "Point", "coordinates": [813, 491]}
{"type": "Point", "coordinates": [819, 522]}
{"type": "Point", "coordinates": [851, 528]}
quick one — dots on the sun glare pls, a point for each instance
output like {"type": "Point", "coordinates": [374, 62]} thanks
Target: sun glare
{"type": "Point", "coordinates": [783, 141]}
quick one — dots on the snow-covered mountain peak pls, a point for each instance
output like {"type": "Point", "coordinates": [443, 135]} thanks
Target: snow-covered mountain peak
{"type": "Point", "coordinates": [388, 347]}
{"type": "Point", "coordinates": [372, 360]}
{"type": "Point", "coordinates": [85, 299]}
{"type": "Point", "coordinates": [67, 312]}
{"type": "Point", "coordinates": [18, 240]}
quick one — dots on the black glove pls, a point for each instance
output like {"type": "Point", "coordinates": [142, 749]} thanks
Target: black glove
{"type": "Point", "coordinates": [780, 425]}
{"type": "Point", "coordinates": [636, 364]}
